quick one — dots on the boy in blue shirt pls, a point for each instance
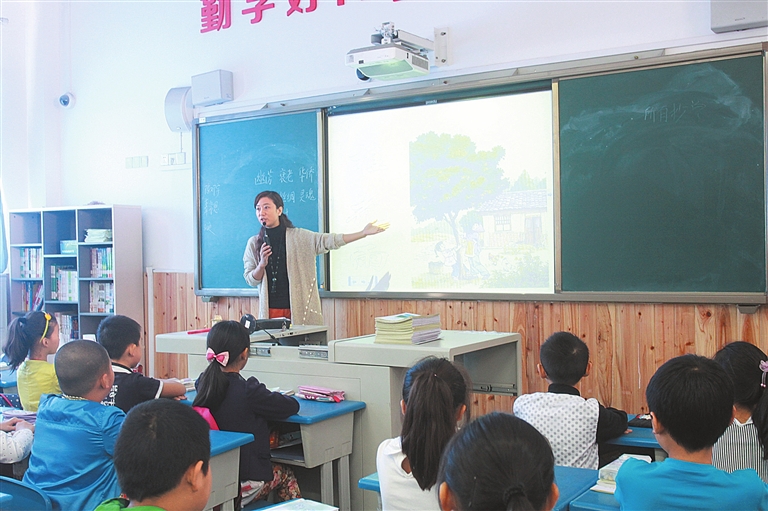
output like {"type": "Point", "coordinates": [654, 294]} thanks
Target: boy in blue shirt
{"type": "Point", "coordinates": [120, 336]}
{"type": "Point", "coordinates": [691, 403]}
{"type": "Point", "coordinates": [162, 457]}
{"type": "Point", "coordinates": [75, 434]}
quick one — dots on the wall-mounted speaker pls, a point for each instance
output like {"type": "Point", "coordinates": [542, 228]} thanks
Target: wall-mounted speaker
{"type": "Point", "coordinates": [178, 109]}
{"type": "Point", "coordinates": [732, 15]}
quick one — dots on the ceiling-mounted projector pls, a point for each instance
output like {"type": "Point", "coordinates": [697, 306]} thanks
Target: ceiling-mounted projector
{"type": "Point", "coordinates": [388, 62]}
{"type": "Point", "coordinates": [397, 54]}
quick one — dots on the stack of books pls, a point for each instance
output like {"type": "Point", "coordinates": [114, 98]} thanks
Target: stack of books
{"type": "Point", "coordinates": [98, 235]}
{"type": "Point", "coordinates": [407, 328]}
{"type": "Point", "coordinates": [606, 477]}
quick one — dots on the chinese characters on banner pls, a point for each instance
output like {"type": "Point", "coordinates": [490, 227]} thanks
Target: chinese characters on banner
{"type": "Point", "coordinates": [216, 15]}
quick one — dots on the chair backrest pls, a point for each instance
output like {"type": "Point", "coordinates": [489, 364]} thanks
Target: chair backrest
{"type": "Point", "coordinates": [208, 416]}
{"type": "Point", "coordinates": [16, 495]}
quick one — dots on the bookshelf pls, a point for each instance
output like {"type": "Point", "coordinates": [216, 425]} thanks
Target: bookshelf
{"type": "Point", "coordinates": [81, 264]}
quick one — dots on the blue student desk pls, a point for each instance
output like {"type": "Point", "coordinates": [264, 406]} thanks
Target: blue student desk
{"type": "Point", "coordinates": [572, 482]}
{"type": "Point", "coordinates": [640, 437]}
{"type": "Point", "coordinates": [326, 436]}
{"type": "Point", "coordinates": [595, 501]}
{"type": "Point", "coordinates": [225, 467]}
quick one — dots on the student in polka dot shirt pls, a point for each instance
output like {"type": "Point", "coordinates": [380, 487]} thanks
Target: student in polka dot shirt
{"type": "Point", "coordinates": [573, 425]}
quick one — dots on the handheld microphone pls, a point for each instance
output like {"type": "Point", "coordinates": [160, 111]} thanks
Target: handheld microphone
{"type": "Point", "coordinates": [266, 236]}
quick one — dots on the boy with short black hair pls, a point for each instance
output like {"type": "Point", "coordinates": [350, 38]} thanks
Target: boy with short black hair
{"type": "Point", "coordinates": [691, 403]}
{"type": "Point", "coordinates": [573, 425]}
{"type": "Point", "coordinates": [161, 457]}
{"type": "Point", "coordinates": [75, 434]}
{"type": "Point", "coordinates": [120, 336]}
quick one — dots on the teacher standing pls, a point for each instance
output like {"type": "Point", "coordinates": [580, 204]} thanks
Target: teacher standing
{"type": "Point", "coordinates": [280, 261]}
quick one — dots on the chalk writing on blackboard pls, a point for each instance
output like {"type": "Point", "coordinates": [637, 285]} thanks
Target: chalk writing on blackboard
{"type": "Point", "coordinates": [236, 161]}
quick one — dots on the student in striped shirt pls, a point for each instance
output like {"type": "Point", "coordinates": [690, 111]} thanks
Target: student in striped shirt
{"type": "Point", "coordinates": [743, 443]}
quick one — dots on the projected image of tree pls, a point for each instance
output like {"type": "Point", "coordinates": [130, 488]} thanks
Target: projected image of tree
{"type": "Point", "coordinates": [460, 197]}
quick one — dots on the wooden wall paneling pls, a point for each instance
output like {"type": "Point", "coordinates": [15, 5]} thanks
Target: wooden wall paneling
{"type": "Point", "coordinates": [587, 332]}
{"type": "Point", "coordinates": [329, 313]}
{"type": "Point", "coordinates": [625, 373]}
{"type": "Point", "coordinates": [727, 326]}
{"type": "Point", "coordinates": [481, 404]}
{"type": "Point", "coordinates": [748, 326]}
{"type": "Point", "coordinates": [604, 353]}
{"type": "Point", "coordinates": [706, 330]}
{"type": "Point", "coordinates": [345, 326]}
{"type": "Point", "coordinates": [532, 340]}
{"type": "Point", "coordinates": [627, 342]}
{"type": "Point", "coordinates": [685, 330]}
{"type": "Point", "coordinates": [516, 321]}
{"type": "Point", "coordinates": [645, 345]}
{"type": "Point", "coordinates": [664, 333]}
{"type": "Point", "coordinates": [468, 315]}
{"type": "Point", "coordinates": [762, 317]}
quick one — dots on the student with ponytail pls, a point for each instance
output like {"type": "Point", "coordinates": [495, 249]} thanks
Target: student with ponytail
{"type": "Point", "coordinates": [435, 397]}
{"type": "Point", "coordinates": [743, 445]}
{"type": "Point", "coordinates": [245, 406]}
{"type": "Point", "coordinates": [498, 462]}
{"type": "Point", "coordinates": [30, 340]}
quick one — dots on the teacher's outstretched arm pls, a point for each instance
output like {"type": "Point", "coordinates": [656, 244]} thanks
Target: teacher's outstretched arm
{"type": "Point", "coordinates": [369, 230]}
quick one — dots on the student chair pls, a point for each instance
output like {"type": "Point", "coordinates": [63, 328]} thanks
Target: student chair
{"type": "Point", "coordinates": [15, 495]}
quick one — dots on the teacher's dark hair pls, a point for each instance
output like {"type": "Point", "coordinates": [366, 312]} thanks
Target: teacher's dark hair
{"type": "Point", "coordinates": [284, 220]}
{"type": "Point", "coordinates": [433, 391]}
{"type": "Point", "coordinates": [225, 336]}
{"type": "Point", "coordinates": [498, 462]}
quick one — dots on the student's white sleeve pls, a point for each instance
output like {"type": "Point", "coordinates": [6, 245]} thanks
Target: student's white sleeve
{"type": "Point", "coordinates": [15, 446]}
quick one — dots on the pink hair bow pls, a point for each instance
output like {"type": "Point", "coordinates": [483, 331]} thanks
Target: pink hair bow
{"type": "Point", "coordinates": [222, 358]}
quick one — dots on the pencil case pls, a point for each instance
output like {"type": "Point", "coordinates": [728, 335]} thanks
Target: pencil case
{"type": "Point", "coordinates": [320, 394]}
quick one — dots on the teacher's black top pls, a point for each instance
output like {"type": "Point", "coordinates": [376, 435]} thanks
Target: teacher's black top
{"type": "Point", "coordinates": [277, 270]}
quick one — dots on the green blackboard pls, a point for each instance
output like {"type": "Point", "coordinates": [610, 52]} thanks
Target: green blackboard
{"type": "Point", "coordinates": [237, 159]}
{"type": "Point", "coordinates": [662, 179]}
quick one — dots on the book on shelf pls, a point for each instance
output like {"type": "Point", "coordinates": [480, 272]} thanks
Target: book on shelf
{"type": "Point", "coordinates": [101, 297]}
{"type": "Point", "coordinates": [98, 235]}
{"type": "Point", "coordinates": [64, 283]}
{"type": "Point", "coordinates": [407, 328]}
{"type": "Point", "coordinates": [31, 296]}
{"type": "Point", "coordinates": [102, 263]}
{"type": "Point", "coordinates": [30, 263]}
{"type": "Point", "coordinates": [68, 327]}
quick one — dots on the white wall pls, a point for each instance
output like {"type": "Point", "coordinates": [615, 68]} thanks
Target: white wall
{"type": "Point", "coordinates": [120, 58]}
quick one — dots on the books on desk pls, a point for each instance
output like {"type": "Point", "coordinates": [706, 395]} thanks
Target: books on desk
{"type": "Point", "coordinates": [407, 328]}
{"type": "Point", "coordinates": [606, 476]}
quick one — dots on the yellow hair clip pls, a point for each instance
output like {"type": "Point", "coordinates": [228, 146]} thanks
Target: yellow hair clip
{"type": "Point", "coordinates": [47, 322]}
